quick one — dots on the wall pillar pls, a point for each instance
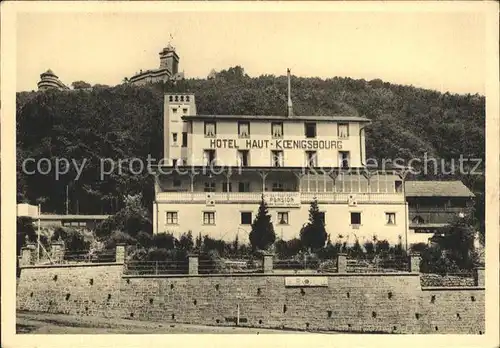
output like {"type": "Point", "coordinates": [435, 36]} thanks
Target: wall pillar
{"type": "Point", "coordinates": [26, 258]}
{"type": "Point", "coordinates": [192, 264]}
{"type": "Point", "coordinates": [120, 253]}
{"type": "Point", "coordinates": [342, 263]}
{"type": "Point", "coordinates": [479, 276]}
{"type": "Point", "coordinates": [57, 251]}
{"type": "Point", "coordinates": [267, 262]}
{"type": "Point", "coordinates": [414, 263]}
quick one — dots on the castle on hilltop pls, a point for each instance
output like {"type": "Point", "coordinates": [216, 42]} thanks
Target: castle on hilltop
{"type": "Point", "coordinates": [168, 70]}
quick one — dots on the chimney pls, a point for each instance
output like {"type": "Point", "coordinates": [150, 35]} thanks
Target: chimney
{"type": "Point", "coordinates": [290, 110]}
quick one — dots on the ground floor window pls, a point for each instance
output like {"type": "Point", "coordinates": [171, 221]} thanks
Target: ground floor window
{"type": "Point", "coordinates": [246, 218]}
{"type": "Point", "coordinates": [209, 218]}
{"type": "Point", "coordinates": [390, 218]}
{"type": "Point", "coordinates": [172, 218]}
{"type": "Point", "coordinates": [355, 218]}
{"type": "Point", "coordinates": [283, 218]}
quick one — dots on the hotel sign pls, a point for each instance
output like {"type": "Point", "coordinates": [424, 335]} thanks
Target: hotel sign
{"type": "Point", "coordinates": [282, 199]}
{"type": "Point", "coordinates": [306, 281]}
{"type": "Point", "coordinates": [275, 144]}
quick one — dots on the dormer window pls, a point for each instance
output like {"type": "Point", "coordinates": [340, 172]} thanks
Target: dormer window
{"type": "Point", "coordinates": [210, 130]}
{"type": "Point", "coordinates": [310, 130]}
{"type": "Point", "coordinates": [244, 129]}
{"type": "Point", "coordinates": [343, 130]}
{"type": "Point", "coordinates": [277, 130]}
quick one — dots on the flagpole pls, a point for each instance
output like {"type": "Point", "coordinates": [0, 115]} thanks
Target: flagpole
{"type": "Point", "coordinates": [38, 235]}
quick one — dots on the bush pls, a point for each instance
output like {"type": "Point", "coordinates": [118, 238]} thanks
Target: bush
{"type": "Point", "coordinates": [118, 237]}
{"type": "Point", "coordinates": [211, 262]}
{"type": "Point", "coordinates": [186, 241]}
{"type": "Point", "coordinates": [25, 232]}
{"type": "Point", "coordinates": [418, 247]}
{"type": "Point", "coordinates": [145, 239]}
{"type": "Point", "coordinates": [164, 241]}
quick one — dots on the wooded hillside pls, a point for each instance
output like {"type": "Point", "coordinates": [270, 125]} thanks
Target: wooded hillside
{"type": "Point", "coordinates": [126, 122]}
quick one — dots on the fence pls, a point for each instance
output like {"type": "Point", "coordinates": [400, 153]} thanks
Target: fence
{"type": "Point", "coordinates": [401, 264]}
{"type": "Point", "coordinates": [58, 255]}
{"type": "Point", "coordinates": [156, 267]}
{"type": "Point", "coordinates": [265, 263]}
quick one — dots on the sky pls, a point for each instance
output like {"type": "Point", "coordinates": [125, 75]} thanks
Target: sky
{"type": "Point", "coordinates": [443, 51]}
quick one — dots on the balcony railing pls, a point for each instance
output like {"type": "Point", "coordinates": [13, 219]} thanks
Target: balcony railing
{"type": "Point", "coordinates": [254, 197]}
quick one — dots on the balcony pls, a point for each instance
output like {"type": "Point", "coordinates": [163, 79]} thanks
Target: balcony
{"type": "Point", "coordinates": [287, 198]}
{"type": "Point", "coordinates": [435, 215]}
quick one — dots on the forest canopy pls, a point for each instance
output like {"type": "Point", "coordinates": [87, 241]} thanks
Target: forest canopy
{"type": "Point", "coordinates": [125, 121]}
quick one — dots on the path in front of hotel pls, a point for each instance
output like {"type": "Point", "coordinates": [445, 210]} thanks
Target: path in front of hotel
{"type": "Point", "coordinates": [46, 323]}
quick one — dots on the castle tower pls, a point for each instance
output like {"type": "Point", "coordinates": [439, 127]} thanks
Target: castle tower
{"type": "Point", "coordinates": [49, 80]}
{"type": "Point", "coordinates": [169, 60]}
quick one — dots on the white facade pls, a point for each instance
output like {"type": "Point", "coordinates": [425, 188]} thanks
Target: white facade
{"type": "Point", "coordinates": [217, 168]}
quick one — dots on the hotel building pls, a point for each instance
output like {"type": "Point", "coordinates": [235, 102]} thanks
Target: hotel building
{"type": "Point", "coordinates": [217, 168]}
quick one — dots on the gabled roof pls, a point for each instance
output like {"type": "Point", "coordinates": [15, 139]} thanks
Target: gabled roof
{"type": "Point", "coordinates": [437, 189]}
{"type": "Point", "coordinates": [337, 118]}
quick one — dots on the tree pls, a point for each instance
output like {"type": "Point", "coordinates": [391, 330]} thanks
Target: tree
{"type": "Point", "coordinates": [186, 241]}
{"type": "Point", "coordinates": [262, 235]}
{"type": "Point", "coordinates": [457, 242]}
{"type": "Point", "coordinates": [25, 232]}
{"type": "Point", "coordinates": [80, 85]}
{"type": "Point", "coordinates": [313, 235]}
{"type": "Point", "coordinates": [131, 219]}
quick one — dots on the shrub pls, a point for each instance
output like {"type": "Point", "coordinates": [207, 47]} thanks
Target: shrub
{"type": "Point", "coordinates": [145, 239]}
{"type": "Point", "coordinates": [164, 241]}
{"type": "Point", "coordinates": [118, 237]}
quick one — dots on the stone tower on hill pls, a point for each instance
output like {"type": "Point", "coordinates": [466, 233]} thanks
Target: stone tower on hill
{"type": "Point", "coordinates": [168, 70]}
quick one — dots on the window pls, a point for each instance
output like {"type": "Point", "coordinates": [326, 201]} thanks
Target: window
{"type": "Point", "coordinates": [311, 158]}
{"type": "Point", "coordinates": [227, 187]}
{"type": "Point", "coordinates": [174, 139]}
{"type": "Point", "coordinates": [283, 218]}
{"type": "Point", "coordinates": [208, 157]}
{"type": "Point", "coordinates": [174, 162]}
{"type": "Point", "coordinates": [246, 218]}
{"type": "Point", "coordinates": [398, 186]}
{"type": "Point", "coordinates": [174, 110]}
{"type": "Point", "coordinates": [277, 129]}
{"type": "Point", "coordinates": [242, 159]}
{"type": "Point", "coordinates": [310, 130]}
{"type": "Point", "coordinates": [277, 158]}
{"type": "Point", "coordinates": [172, 218]}
{"type": "Point", "coordinates": [209, 218]}
{"type": "Point", "coordinates": [210, 129]}
{"type": "Point", "coordinates": [390, 218]}
{"type": "Point", "coordinates": [184, 139]}
{"type": "Point", "coordinates": [344, 159]}
{"type": "Point", "coordinates": [243, 187]}
{"type": "Point", "coordinates": [244, 129]}
{"type": "Point", "coordinates": [176, 183]}
{"type": "Point", "coordinates": [355, 218]}
{"type": "Point", "coordinates": [343, 130]}
{"type": "Point", "coordinates": [277, 187]}
{"type": "Point", "coordinates": [184, 111]}
{"type": "Point", "coordinates": [209, 187]}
